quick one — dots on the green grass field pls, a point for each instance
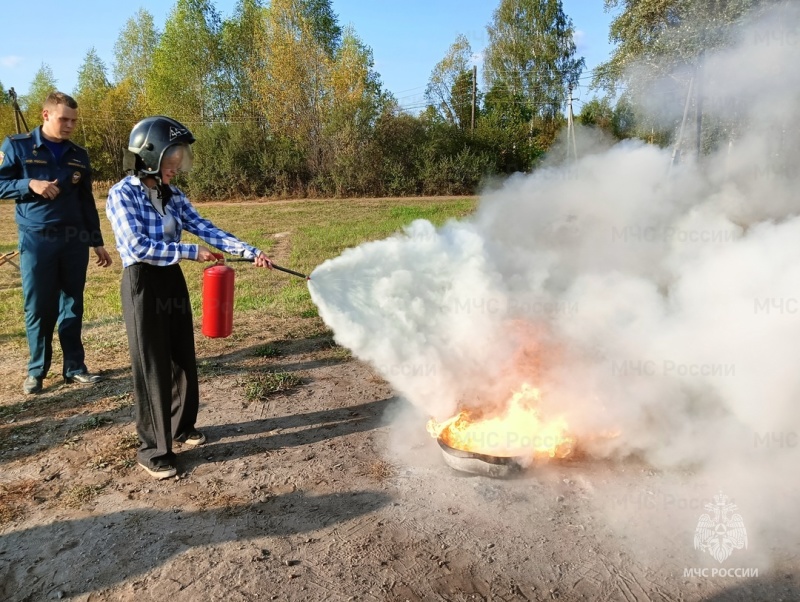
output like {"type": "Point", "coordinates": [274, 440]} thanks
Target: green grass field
{"type": "Point", "coordinates": [310, 232]}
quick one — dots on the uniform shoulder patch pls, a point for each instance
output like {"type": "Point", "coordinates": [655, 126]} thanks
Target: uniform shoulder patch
{"type": "Point", "coordinates": [2, 157]}
{"type": "Point", "coordinates": [20, 136]}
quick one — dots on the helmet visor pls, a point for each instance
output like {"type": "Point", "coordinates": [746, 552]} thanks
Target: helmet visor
{"type": "Point", "coordinates": [177, 158]}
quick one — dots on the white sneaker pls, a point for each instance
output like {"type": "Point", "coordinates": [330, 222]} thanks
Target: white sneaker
{"type": "Point", "coordinates": [160, 472]}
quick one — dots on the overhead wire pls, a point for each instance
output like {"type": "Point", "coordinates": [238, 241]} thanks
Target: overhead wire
{"type": "Point", "coordinates": [416, 103]}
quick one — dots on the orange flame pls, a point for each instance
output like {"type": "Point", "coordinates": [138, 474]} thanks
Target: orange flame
{"type": "Point", "coordinates": [518, 431]}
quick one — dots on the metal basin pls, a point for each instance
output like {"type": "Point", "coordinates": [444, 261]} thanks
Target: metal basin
{"type": "Point", "coordinates": [480, 464]}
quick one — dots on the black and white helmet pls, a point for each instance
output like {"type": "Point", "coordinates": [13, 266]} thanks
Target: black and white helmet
{"type": "Point", "coordinates": [150, 139]}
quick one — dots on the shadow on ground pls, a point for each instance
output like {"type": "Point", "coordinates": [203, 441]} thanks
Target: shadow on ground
{"type": "Point", "coordinates": [325, 424]}
{"type": "Point", "coordinates": [98, 552]}
{"type": "Point", "coordinates": [29, 426]}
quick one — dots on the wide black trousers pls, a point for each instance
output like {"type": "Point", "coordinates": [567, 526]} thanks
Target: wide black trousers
{"type": "Point", "coordinates": [158, 320]}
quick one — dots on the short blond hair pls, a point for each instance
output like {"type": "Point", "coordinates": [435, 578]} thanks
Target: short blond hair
{"type": "Point", "coordinates": [56, 98]}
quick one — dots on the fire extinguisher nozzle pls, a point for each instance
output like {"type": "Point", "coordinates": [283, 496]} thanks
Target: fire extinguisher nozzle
{"type": "Point", "coordinates": [288, 271]}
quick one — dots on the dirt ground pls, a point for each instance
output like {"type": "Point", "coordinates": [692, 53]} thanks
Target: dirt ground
{"type": "Point", "coordinates": [329, 490]}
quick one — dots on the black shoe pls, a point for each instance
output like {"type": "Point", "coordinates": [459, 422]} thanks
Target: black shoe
{"type": "Point", "coordinates": [83, 378]}
{"type": "Point", "coordinates": [32, 384]}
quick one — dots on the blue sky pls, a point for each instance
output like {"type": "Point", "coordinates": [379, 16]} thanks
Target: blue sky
{"type": "Point", "coordinates": [407, 37]}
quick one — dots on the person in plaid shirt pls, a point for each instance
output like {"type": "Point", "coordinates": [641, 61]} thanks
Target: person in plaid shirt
{"type": "Point", "coordinates": [148, 216]}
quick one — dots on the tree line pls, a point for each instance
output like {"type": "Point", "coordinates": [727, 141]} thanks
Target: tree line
{"type": "Point", "coordinates": [284, 101]}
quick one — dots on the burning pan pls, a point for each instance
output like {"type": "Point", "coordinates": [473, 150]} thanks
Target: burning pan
{"type": "Point", "coordinates": [480, 464]}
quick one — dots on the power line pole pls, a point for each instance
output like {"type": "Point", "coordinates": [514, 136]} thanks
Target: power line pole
{"type": "Point", "coordinates": [474, 96]}
{"type": "Point", "coordinates": [677, 147]}
{"type": "Point", "coordinates": [699, 104]}
{"type": "Point", "coordinates": [571, 144]}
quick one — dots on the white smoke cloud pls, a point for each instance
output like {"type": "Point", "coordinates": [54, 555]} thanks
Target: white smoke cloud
{"type": "Point", "coordinates": [658, 302]}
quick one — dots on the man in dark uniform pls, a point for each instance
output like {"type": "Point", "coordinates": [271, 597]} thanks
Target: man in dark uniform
{"type": "Point", "coordinates": [50, 179]}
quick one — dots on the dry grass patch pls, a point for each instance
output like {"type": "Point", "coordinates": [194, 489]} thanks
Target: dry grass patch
{"type": "Point", "coordinates": [77, 496]}
{"type": "Point", "coordinates": [119, 456]}
{"type": "Point", "coordinates": [120, 401]}
{"type": "Point", "coordinates": [339, 353]}
{"type": "Point", "coordinates": [214, 495]}
{"type": "Point", "coordinates": [72, 441]}
{"type": "Point", "coordinates": [14, 497]}
{"type": "Point", "coordinates": [380, 470]}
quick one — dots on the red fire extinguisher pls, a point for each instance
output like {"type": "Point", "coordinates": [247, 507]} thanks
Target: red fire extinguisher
{"type": "Point", "coordinates": [218, 299]}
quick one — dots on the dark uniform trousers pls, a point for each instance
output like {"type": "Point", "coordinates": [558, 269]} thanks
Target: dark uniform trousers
{"type": "Point", "coordinates": [158, 320]}
{"type": "Point", "coordinates": [53, 263]}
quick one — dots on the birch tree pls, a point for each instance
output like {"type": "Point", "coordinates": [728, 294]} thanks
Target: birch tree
{"type": "Point", "coordinates": [133, 58]}
{"type": "Point", "coordinates": [658, 62]}
{"type": "Point", "coordinates": [356, 101]}
{"type": "Point", "coordinates": [445, 91]}
{"type": "Point", "coordinates": [44, 82]}
{"type": "Point", "coordinates": [90, 92]}
{"type": "Point", "coordinates": [183, 81]}
{"type": "Point", "coordinates": [666, 34]}
{"type": "Point", "coordinates": [294, 90]}
{"type": "Point", "coordinates": [531, 58]}
{"type": "Point", "coordinates": [242, 64]}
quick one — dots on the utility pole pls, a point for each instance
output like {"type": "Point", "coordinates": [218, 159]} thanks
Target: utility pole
{"type": "Point", "coordinates": [474, 96]}
{"type": "Point", "coordinates": [571, 144]}
{"type": "Point", "coordinates": [699, 104]}
{"type": "Point", "coordinates": [676, 148]}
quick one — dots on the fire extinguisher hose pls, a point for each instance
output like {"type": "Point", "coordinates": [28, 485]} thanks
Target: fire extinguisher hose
{"type": "Point", "coordinates": [292, 272]}
{"type": "Point", "coordinates": [276, 266]}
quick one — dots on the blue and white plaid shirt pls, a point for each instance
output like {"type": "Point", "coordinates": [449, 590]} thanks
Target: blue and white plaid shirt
{"type": "Point", "coordinates": [139, 230]}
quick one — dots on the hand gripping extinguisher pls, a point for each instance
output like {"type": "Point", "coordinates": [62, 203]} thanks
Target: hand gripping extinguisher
{"type": "Point", "coordinates": [218, 299]}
